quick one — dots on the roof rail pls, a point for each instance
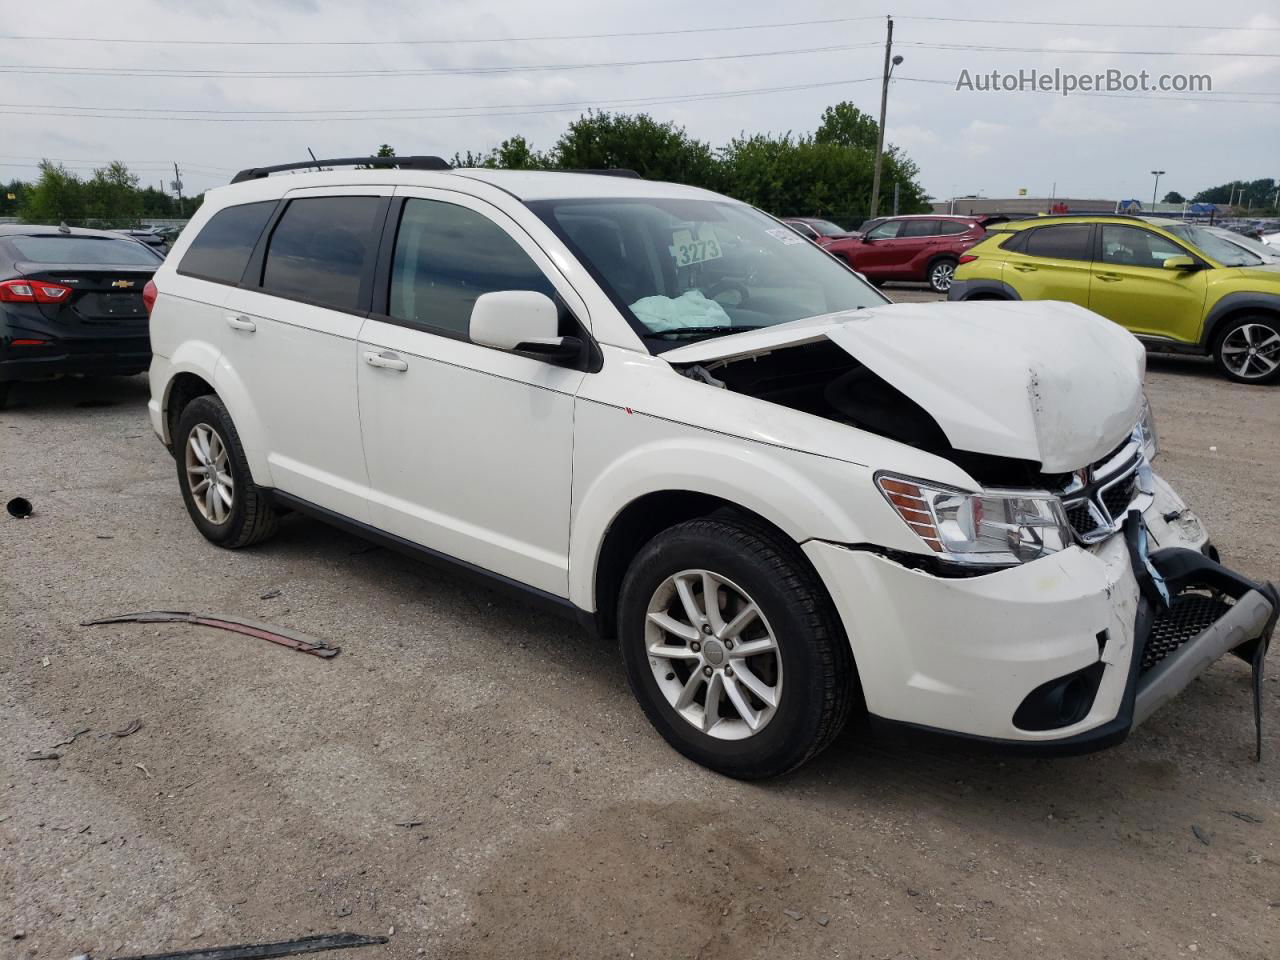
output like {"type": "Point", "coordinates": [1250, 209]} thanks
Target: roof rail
{"type": "Point", "coordinates": [608, 172]}
{"type": "Point", "coordinates": [403, 163]}
{"type": "Point", "coordinates": [1020, 218]}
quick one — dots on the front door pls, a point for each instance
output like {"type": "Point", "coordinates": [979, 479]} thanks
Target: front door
{"type": "Point", "coordinates": [469, 448]}
{"type": "Point", "coordinates": [291, 343]}
{"type": "Point", "coordinates": [883, 251]}
{"type": "Point", "coordinates": [1131, 286]}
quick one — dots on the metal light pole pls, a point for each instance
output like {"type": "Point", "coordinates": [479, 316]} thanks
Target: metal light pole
{"type": "Point", "coordinates": [1157, 174]}
{"type": "Point", "coordinates": [890, 61]}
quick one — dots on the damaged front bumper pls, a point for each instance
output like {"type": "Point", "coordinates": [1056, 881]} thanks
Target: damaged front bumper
{"type": "Point", "coordinates": [1063, 655]}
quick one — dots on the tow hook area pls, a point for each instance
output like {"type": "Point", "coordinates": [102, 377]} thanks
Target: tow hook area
{"type": "Point", "coordinates": [1198, 611]}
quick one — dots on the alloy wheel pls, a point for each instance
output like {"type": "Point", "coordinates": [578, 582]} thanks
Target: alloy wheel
{"type": "Point", "coordinates": [209, 474]}
{"type": "Point", "coordinates": [1251, 351]}
{"type": "Point", "coordinates": [713, 654]}
{"type": "Point", "coordinates": [941, 275]}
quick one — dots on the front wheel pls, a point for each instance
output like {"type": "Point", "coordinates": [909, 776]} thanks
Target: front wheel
{"type": "Point", "coordinates": [1248, 350]}
{"type": "Point", "coordinates": [941, 274]}
{"type": "Point", "coordinates": [733, 649]}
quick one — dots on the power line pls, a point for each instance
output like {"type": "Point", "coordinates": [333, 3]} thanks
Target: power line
{"type": "Point", "coordinates": [364, 117]}
{"type": "Point", "coordinates": [394, 113]}
{"type": "Point", "coordinates": [984, 48]}
{"type": "Point", "coordinates": [159, 72]}
{"type": "Point", "coordinates": [450, 42]}
{"type": "Point", "coordinates": [1111, 26]}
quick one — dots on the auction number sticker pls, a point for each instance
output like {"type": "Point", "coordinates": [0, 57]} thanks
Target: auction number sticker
{"type": "Point", "coordinates": [688, 248]}
{"type": "Point", "coordinates": [786, 236]}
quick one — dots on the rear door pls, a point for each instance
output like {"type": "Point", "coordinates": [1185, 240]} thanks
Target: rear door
{"type": "Point", "coordinates": [1052, 263]}
{"type": "Point", "coordinates": [1131, 286]}
{"type": "Point", "coordinates": [290, 342]}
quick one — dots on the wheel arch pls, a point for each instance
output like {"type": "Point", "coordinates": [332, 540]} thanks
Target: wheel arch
{"type": "Point", "coordinates": [1232, 307]}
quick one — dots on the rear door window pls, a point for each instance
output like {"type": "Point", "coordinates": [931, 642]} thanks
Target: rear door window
{"type": "Point", "coordinates": [1067, 241]}
{"type": "Point", "coordinates": [222, 249]}
{"type": "Point", "coordinates": [322, 251]}
{"type": "Point", "coordinates": [920, 228]}
{"type": "Point", "coordinates": [103, 251]}
{"type": "Point", "coordinates": [445, 257]}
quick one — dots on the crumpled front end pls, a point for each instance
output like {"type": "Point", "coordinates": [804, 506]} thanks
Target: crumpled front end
{"type": "Point", "coordinates": [1064, 654]}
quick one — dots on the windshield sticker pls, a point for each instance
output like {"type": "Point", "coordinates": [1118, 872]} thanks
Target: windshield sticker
{"type": "Point", "coordinates": [786, 236]}
{"type": "Point", "coordinates": [688, 249]}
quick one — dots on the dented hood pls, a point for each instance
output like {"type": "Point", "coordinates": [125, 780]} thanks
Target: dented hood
{"type": "Point", "coordinates": [1044, 381]}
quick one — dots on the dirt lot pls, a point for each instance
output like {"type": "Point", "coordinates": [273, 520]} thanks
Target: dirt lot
{"type": "Point", "coordinates": [474, 779]}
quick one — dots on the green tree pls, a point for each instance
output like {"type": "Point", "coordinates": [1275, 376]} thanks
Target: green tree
{"type": "Point", "coordinates": [386, 150]}
{"type": "Point", "coordinates": [56, 196]}
{"type": "Point", "coordinates": [1173, 196]}
{"type": "Point", "coordinates": [1259, 192]}
{"type": "Point", "coordinates": [657, 151]}
{"type": "Point", "coordinates": [112, 197]}
{"type": "Point", "coordinates": [847, 126]}
{"type": "Point", "coordinates": [11, 197]}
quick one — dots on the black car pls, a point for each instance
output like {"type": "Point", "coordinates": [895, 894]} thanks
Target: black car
{"type": "Point", "coordinates": [71, 302]}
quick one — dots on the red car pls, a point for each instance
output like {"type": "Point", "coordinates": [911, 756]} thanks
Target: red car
{"type": "Point", "coordinates": [918, 247]}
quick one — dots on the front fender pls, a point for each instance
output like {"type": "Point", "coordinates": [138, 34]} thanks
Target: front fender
{"type": "Point", "coordinates": [633, 455]}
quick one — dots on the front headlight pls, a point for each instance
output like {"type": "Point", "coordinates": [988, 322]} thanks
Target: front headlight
{"type": "Point", "coordinates": [991, 528]}
{"type": "Point", "coordinates": [1146, 432]}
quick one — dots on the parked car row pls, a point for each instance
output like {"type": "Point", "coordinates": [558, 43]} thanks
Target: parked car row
{"type": "Point", "coordinates": [917, 247]}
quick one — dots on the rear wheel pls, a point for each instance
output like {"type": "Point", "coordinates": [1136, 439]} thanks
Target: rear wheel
{"type": "Point", "coordinates": [733, 648]}
{"type": "Point", "coordinates": [1248, 350]}
{"type": "Point", "coordinates": [224, 504]}
{"type": "Point", "coordinates": [941, 273]}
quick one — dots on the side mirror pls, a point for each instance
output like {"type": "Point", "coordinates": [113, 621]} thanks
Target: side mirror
{"type": "Point", "coordinates": [866, 239]}
{"type": "Point", "coordinates": [1179, 263]}
{"type": "Point", "coordinates": [522, 321]}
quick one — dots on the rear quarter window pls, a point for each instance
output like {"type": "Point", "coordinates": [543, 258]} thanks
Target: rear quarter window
{"type": "Point", "coordinates": [222, 249]}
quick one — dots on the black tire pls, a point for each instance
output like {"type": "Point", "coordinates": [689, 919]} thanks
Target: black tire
{"type": "Point", "coordinates": [938, 282]}
{"type": "Point", "coordinates": [819, 685]}
{"type": "Point", "coordinates": [1234, 336]}
{"type": "Point", "coordinates": [251, 518]}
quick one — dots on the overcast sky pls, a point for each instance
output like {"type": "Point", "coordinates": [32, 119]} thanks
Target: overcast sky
{"type": "Point", "coordinates": [964, 142]}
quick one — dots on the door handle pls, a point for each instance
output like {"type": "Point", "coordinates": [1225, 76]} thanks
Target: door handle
{"type": "Point", "coordinates": [1024, 267]}
{"type": "Point", "coordinates": [386, 360]}
{"type": "Point", "coordinates": [241, 322]}
{"type": "Point", "coordinates": [1109, 277]}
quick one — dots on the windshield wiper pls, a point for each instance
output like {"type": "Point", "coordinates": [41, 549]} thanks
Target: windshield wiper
{"type": "Point", "coordinates": [711, 331]}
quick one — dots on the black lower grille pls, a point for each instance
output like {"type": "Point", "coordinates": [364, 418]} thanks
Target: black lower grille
{"type": "Point", "coordinates": [1186, 618]}
{"type": "Point", "coordinates": [1081, 519]}
{"type": "Point", "coordinates": [1118, 498]}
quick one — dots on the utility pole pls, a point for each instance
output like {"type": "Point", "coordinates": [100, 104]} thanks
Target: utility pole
{"type": "Point", "coordinates": [895, 197]}
{"type": "Point", "coordinates": [177, 187]}
{"type": "Point", "coordinates": [890, 61]}
{"type": "Point", "coordinates": [1155, 187]}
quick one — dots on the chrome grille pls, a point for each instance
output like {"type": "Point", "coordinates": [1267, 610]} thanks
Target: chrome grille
{"type": "Point", "coordinates": [1099, 498]}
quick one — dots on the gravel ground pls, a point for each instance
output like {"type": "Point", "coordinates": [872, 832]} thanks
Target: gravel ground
{"type": "Point", "coordinates": [473, 779]}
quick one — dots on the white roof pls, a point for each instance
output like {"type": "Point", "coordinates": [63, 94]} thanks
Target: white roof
{"type": "Point", "coordinates": [523, 184]}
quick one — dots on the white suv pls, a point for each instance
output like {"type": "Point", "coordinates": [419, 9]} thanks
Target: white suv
{"type": "Point", "coordinates": [665, 413]}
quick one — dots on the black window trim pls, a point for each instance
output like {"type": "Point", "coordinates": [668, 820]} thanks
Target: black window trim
{"type": "Point", "coordinates": [271, 218]}
{"type": "Point", "coordinates": [256, 267]}
{"type": "Point", "coordinates": [1090, 246]}
{"type": "Point", "coordinates": [592, 360]}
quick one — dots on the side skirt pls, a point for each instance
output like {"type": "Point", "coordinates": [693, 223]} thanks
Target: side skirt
{"type": "Point", "coordinates": [471, 571]}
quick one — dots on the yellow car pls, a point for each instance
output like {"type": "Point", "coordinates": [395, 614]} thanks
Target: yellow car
{"type": "Point", "coordinates": [1174, 285]}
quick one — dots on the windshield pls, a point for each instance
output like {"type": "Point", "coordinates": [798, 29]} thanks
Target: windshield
{"type": "Point", "coordinates": [1225, 252]}
{"type": "Point", "coordinates": [1250, 244]}
{"type": "Point", "coordinates": [827, 228]}
{"type": "Point", "coordinates": [84, 250]}
{"type": "Point", "coordinates": [684, 270]}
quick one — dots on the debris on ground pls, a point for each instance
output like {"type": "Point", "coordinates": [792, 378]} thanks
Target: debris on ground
{"type": "Point", "coordinates": [823, 920]}
{"type": "Point", "coordinates": [72, 739]}
{"type": "Point", "coordinates": [270, 595]}
{"type": "Point", "coordinates": [262, 951]}
{"type": "Point", "coordinates": [250, 628]}
{"type": "Point", "coordinates": [410, 823]}
{"type": "Point", "coordinates": [1200, 834]}
{"type": "Point", "coordinates": [794, 914]}
{"type": "Point", "coordinates": [144, 770]}
{"type": "Point", "coordinates": [43, 755]}
{"type": "Point", "coordinates": [127, 731]}
{"type": "Point", "coordinates": [1239, 815]}
{"type": "Point", "coordinates": [19, 508]}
